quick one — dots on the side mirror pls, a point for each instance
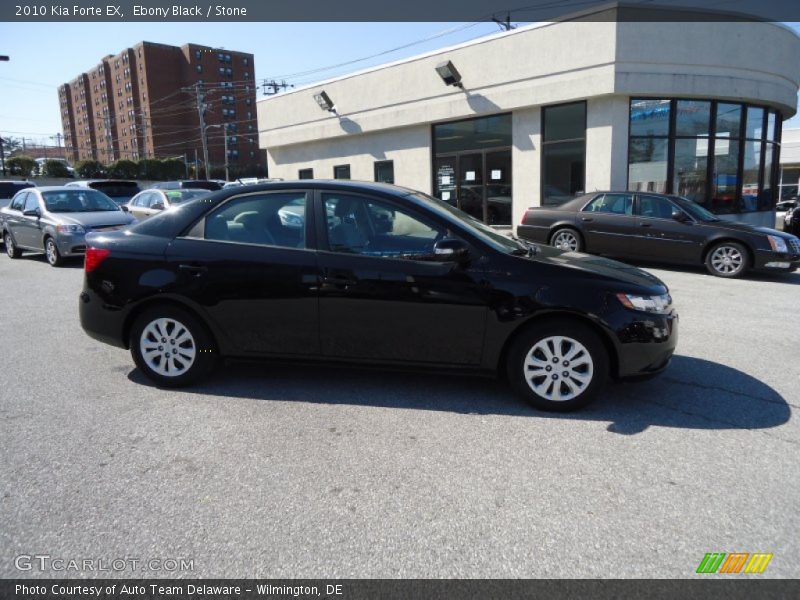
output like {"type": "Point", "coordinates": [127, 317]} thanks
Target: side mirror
{"type": "Point", "coordinates": [31, 212]}
{"type": "Point", "coordinates": [451, 249]}
{"type": "Point", "coordinates": [679, 216]}
{"type": "Point", "coordinates": [157, 206]}
{"type": "Point", "coordinates": [124, 207]}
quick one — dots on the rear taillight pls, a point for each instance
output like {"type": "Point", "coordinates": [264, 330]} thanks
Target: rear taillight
{"type": "Point", "coordinates": [93, 258]}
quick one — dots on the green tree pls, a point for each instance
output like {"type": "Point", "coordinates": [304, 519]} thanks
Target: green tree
{"type": "Point", "coordinates": [124, 169]}
{"type": "Point", "coordinates": [151, 168]}
{"type": "Point", "coordinates": [21, 165]}
{"type": "Point", "coordinates": [89, 169]}
{"type": "Point", "coordinates": [55, 168]}
{"type": "Point", "coordinates": [174, 168]}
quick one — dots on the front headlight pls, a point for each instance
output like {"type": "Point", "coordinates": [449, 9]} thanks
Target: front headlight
{"type": "Point", "coordinates": [653, 304]}
{"type": "Point", "coordinates": [777, 244]}
{"type": "Point", "coordinates": [70, 229]}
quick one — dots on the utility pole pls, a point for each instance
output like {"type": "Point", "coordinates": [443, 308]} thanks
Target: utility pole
{"type": "Point", "coordinates": [195, 164]}
{"type": "Point", "coordinates": [3, 156]}
{"type": "Point", "coordinates": [186, 163]}
{"type": "Point", "coordinates": [110, 149]}
{"type": "Point", "coordinates": [57, 137]}
{"type": "Point", "coordinates": [227, 172]}
{"type": "Point", "coordinates": [201, 109]}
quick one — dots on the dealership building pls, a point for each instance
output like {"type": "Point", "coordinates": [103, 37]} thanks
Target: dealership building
{"type": "Point", "coordinates": [538, 114]}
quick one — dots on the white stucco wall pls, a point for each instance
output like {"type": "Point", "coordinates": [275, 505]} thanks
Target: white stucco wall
{"type": "Point", "coordinates": [386, 112]}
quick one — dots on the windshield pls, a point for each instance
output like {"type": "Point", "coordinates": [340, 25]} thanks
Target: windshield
{"type": "Point", "coordinates": [77, 200]}
{"type": "Point", "coordinates": [490, 236]}
{"type": "Point", "coordinates": [694, 209]}
{"type": "Point", "coordinates": [202, 184]}
{"type": "Point", "coordinates": [181, 196]}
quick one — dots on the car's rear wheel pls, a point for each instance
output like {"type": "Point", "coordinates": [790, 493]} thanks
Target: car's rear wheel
{"type": "Point", "coordinates": [52, 253]}
{"type": "Point", "coordinates": [566, 238]}
{"type": "Point", "coordinates": [171, 347]}
{"type": "Point", "coordinates": [558, 365]}
{"type": "Point", "coordinates": [11, 248]}
{"type": "Point", "coordinates": [727, 259]}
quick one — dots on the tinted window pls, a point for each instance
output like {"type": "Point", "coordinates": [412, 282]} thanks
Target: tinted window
{"type": "Point", "coordinates": [265, 219]}
{"type": "Point", "coordinates": [563, 152]}
{"type": "Point", "coordinates": [77, 200]}
{"type": "Point", "coordinates": [649, 117]}
{"type": "Point", "coordinates": [181, 196]}
{"type": "Point", "coordinates": [19, 201]}
{"type": "Point", "coordinates": [618, 204]}
{"type": "Point", "coordinates": [305, 174]}
{"type": "Point", "coordinates": [202, 185]}
{"type": "Point", "coordinates": [692, 117]}
{"type": "Point", "coordinates": [341, 172]}
{"type": "Point", "coordinates": [729, 117]}
{"type": "Point", "coordinates": [655, 207]}
{"type": "Point", "coordinates": [170, 223]}
{"type": "Point", "coordinates": [116, 189]}
{"type": "Point", "coordinates": [372, 227]}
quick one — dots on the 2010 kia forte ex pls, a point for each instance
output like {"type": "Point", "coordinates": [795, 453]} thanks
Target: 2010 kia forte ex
{"type": "Point", "coordinates": [369, 273]}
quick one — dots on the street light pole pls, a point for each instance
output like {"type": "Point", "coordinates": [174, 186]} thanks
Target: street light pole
{"type": "Point", "coordinates": [225, 134]}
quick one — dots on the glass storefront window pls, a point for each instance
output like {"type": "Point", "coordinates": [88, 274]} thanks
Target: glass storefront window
{"type": "Point", "coordinates": [729, 118]}
{"type": "Point", "coordinates": [675, 156]}
{"type": "Point", "coordinates": [647, 165]}
{"type": "Point", "coordinates": [726, 173]}
{"type": "Point", "coordinates": [460, 136]}
{"type": "Point", "coordinates": [755, 123]}
{"type": "Point", "coordinates": [689, 176]}
{"type": "Point", "coordinates": [650, 117]}
{"type": "Point", "coordinates": [692, 117]}
{"type": "Point", "coordinates": [563, 152]}
{"type": "Point", "coordinates": [750, 170]}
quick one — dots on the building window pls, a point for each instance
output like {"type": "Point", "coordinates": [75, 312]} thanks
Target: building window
{"type": "Point", "coordinates": [563, 152]}
{"type": "Point", "coordinates": [384, 171]}
{"type": "Point", "coordinates": [722, 155]}
{"type": "Point", "coordinates": [199, 68]}
{"type": "Point", "coordinates": [245, 61]}
{"type": "Point", "coordinates": [341, 172]}
{"type": "Point", "coordinates": [198, 55]}
{"type": "Point", "coordinates": [305, 174]}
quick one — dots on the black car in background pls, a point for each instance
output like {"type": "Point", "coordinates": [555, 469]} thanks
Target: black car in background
{"type": "Point", "coordinates": [8, 188]}
{"type": "Point", "coordinates": [189, 184]}
{"type": "Point", "coordinates": [791, 221]}
{"type": "Point", "coordinates": [119, 190]}
{"type": "Point", "coordinates": [658, 227]}
{"type": "Point", "coordinates": [369, 273]}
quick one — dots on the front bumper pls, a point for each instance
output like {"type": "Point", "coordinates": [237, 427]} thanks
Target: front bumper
{"type": "Point", "coordinates": [645, 343]}
{"type": "Point", "coordinates": [768, 260]}
{"type": "Point", "coordinates": [73, 244]}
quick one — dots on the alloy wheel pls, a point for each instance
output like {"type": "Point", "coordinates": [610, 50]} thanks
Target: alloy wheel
{"type": "Point", "coordinates": [565, 240]}
{"type": "Point", "coordinates": [167, 347]}
{"type": "Point", "coordinates": [51, 251]}
{"type": "Point", "coordinates": [9, 245]}
{"type": "Point", "coordinates": [727, 260]}
{"type": "Point", "coordinates": [558, 368]}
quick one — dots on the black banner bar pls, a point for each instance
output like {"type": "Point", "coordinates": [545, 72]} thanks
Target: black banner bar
{"type": "Point", "coordinates": [405, 10]}
{"type": "Point", "coordinates": [729, 588]}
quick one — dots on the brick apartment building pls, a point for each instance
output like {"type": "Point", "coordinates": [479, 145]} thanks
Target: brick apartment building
{"type": "Point", "coordinates": [143, 103]}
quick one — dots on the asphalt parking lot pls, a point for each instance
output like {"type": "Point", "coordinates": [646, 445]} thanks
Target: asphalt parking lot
{"type": "Point", "coordinates": [274, 471]}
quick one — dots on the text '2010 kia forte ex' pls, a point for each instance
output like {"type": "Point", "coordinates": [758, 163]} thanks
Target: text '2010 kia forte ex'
{"type": "Point", "coordinates": [369, 273]}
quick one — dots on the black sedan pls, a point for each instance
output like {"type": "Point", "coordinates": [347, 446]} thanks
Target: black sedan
{"type": "Point", "coordinates": [369, 273]}
{"type": "Point", "coordinates": [660, 228]}
{"type": "Point", "coordinates": [791, 221]}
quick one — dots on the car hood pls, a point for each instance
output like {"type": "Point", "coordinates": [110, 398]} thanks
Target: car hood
{"type": "Point", "coordinates": [600, 266]}
{"type": "Point", "coordinates": [94, 219]}
{"type": "Point", "coordinates": [747, 228]}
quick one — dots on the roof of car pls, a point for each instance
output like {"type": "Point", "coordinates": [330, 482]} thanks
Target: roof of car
{"type": "Point", "coordinates": [55, 188]}
{"type": "Point", "coordinates": [88, 181]}
{"type": "Point", "coordinates": [331, 184]}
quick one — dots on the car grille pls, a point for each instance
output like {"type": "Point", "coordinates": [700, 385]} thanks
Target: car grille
{"type": "Point", "coordinates": [794, 245]}
{"type": "Point", "coordinates": [106, 228]}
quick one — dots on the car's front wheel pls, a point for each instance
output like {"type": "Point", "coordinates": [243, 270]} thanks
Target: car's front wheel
{"type": "Point", "coordinates": [558, 365]}
{"type": "Point", "coordinates": [52, 253]}
{"type": "Point", "coordinates": [727, 259]}
{"type": "Point", "coordinates": [171, 347]}
{"type": "Point", "coordinates": [11, 248]}
{"type": "Point", "coordinates": [566, 238]}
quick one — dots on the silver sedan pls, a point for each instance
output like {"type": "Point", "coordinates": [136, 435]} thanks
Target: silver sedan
{"type": "Point", "coordinates": [55, 220]}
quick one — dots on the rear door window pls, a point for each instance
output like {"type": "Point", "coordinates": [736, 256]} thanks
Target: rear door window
{"type": "Point", "coordinates": [19, 201]}
{"type": "Point", "coordinates": [31, 201]}
{"type": "Point", "coordinates": [617, 204]}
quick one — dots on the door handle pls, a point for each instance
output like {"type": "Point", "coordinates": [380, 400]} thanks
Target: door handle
{"type": "Point", "coordinates": [645, 224]}
{"type": "Point", "coordinates": [195, 270]}
{"type": "Point", "coordinates": [587, 219]}
{"type": "Point", "coordinates": [338, 280]}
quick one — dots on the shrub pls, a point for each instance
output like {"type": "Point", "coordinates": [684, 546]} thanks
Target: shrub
{"type": "Point", "coordinates": [55, 168]}
{"type": "Point", "coordinates": [21, 165]}
{"type": "Point", "coordinates": [124, 169]}
{"type": "Point", "coordinates": [89, 169]}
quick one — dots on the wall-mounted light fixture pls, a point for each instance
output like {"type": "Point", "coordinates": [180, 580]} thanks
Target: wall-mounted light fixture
{"type": "Point", "coordinates": [449, 74]}
{"type": "Point", "coordinates": [325, 102]}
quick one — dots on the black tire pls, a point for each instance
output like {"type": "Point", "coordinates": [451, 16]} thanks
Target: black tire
{"type": "Point", "coordinates": [155, 366]}
{"type": "Point", "coordinates": [738, 263]}
{"type": "Point", "coordinates": [592, 375]}
{"type": "Point", "coordinates": [564, 236]}
{"type": "Point", "coordinates": [11, 247]}
{"type": "Point", "coordinates": [51, 252]}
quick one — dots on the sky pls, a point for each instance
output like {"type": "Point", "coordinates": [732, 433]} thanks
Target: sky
{"type": "Point", "coordinates": [45, 55]}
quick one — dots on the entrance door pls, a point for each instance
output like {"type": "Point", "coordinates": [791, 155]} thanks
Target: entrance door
{"type": "Point", "coordinates": [479, 183]}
